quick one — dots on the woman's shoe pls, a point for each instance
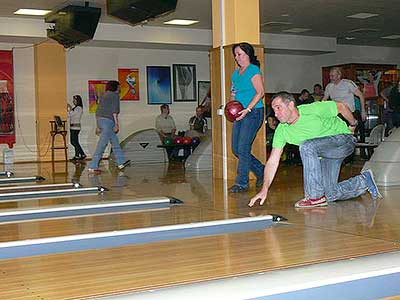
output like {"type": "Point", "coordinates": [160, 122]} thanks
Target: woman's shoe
{"type": "Point", "coordinates": [74, 159]}
{"type": "Point", "coordinates": [260, 182]}
{"type": "Point", "coordinates": [82, 157]}
{"type": "Point", "coordinates": [238, 189]}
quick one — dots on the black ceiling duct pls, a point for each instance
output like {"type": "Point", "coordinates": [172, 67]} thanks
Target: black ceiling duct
{"type": "Point", "coordinates": [73, 24]}
{"type": "Point", "coordinates": [137, 11]}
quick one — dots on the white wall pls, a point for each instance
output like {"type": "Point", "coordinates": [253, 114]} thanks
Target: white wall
{"type": "Point", "coordinates": [282, 72]}
{"type": "Point", "coordinates": [290, 73]}
{"type": "Point", "coordinates": [360, 54]}
{"type": "Point", "coordinates": [93, 63]}
{"type": "Point", "coordinates": [296, 72]}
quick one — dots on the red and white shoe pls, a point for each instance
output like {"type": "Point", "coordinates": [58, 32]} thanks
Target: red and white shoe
{"type": "Point", "coordinates": [310, 203]}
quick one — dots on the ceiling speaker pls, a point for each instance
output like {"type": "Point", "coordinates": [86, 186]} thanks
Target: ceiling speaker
{"type": "Point", "coordinates": [137, 11]}
{"type": "Point", "coordinates": [73, 24]}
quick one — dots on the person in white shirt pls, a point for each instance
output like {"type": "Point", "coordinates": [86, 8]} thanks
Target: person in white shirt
{"type": "Point", "coordinates": [343, 90]}
{"type": "Point", "coordinates": [165, 124]}
{"type": "Point", "coordinates": [74, 119]}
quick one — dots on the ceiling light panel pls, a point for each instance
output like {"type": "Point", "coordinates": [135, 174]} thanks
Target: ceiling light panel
{"type": "Point", "coordinates": [391, 37]}
{"type": "Point", "coordinates": [362, 16]}
{"type": "Point", "coordinates": [32, 12]}
{"type": "Point", "coordinates": [296, 30]}
{"type": "Point", "coordinates": [181, 22]}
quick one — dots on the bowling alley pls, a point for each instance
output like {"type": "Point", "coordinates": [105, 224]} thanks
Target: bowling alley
{"type": "Point", "coordinates": [183, 149]}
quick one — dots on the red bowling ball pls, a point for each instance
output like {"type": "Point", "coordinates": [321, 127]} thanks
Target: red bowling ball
{"type": "Point", "coordinates": [187, 140]}
{"type": "Point", "coordinates": [178, 140]}
{"type": "Point", "coordinates": [232, 109]}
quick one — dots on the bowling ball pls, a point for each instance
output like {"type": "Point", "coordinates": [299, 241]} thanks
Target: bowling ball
{"type": "Point", "coordinates": [178, 140]}
{"type": "Point", "coordinates": [168, 141]}
{"type": "Point", "coordinates": [187, 140]}
{"type": "Point", "coordinates": [195, 140]}
{"type": "Point", "coordinates": [232, 109]}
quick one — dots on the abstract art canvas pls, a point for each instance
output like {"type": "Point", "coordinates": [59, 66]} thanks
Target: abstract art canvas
{"type": "Point", "coordinates": [158, 85]}
{"type": "Point", "coordinates": [129, 80]}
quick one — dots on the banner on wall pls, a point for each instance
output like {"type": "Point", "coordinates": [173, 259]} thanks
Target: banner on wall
{"type": "Point", "coordinates": [96, 89]}
{"type": "Point", "coordinates": [129, 80]}
{"type": "Point", "coordinates": [7, 121]}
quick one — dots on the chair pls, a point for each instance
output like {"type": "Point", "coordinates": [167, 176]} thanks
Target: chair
{"type": "Point", "coordinates": [376, 136]}
{"type": "Point", "coordinates": [58, 128]}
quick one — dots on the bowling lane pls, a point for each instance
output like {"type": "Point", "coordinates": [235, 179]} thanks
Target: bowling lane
{"type": "Point", "coordinates": [108, 222]}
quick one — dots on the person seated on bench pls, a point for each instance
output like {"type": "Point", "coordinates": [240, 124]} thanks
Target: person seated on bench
{"type": "Point", "coordinates": [198, 122]}
{"type": "Point", "coordinates": [165, 124]}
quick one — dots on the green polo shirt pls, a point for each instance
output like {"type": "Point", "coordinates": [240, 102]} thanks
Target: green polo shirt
{"type": "Point", "coordinates": [316, 120]}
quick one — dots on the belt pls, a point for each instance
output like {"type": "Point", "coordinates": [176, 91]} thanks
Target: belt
{"type": "Point", "coordinates": [75, 125]}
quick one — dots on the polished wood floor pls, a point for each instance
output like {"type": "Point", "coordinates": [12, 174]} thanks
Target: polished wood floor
{"type": "Point", "coordinates": [344, 229]}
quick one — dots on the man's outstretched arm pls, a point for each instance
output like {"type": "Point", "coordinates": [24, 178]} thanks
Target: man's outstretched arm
{"type": "Point", "coordinates": [269, 175]}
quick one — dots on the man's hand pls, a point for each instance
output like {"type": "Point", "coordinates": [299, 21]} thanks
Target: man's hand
{"type": "Point", "coordinates": [262, 195]}
{"type": "Point", "coordinates": [363, 115]}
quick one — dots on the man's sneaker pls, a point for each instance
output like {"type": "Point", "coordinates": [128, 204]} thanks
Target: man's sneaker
{"type": "Point", "coordinates": [238, 189]}
{"type": "Point", "coordinates": [309, 203]}
{"type": "Point", "coordinates": [124, 165]}
{"type": "Point", "coordinates": [372, 187]}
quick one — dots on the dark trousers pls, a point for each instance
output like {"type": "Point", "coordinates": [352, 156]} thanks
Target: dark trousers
{"type": "Point", "coordinates": [360, 131]}
{"type": "Point", "coordinates": [75, 142]}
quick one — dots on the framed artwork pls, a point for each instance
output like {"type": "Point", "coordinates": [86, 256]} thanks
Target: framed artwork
{"type": "Point", "coordinates": [7, 117]}
{"type": "Point", "coordinates": [96, 89]}
{"type": "Point", "coordinates": [158, 85]}
{"type": "Point", "coordinates": [129, 80]}
{"type": "Point", "coordinates": [184, 82]}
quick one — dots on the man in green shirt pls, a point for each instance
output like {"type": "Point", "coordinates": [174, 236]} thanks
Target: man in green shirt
{"type": "Point", "coordinates": [325, 141]}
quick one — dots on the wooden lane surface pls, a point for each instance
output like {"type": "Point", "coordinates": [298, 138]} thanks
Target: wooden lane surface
{"type": "Point", "coordinates": [108, 222]}
{"type": "Point", "coordinates": [54, 201]}
{"type": "Point", "coordinates": [82, 275]}
{"type": "Point", "coordinates": [344, 229]}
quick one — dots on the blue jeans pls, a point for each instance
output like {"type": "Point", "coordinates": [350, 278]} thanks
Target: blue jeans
{"type": "Point", "coordinates": [243, 135]}
{"type": "Point", "coordinates": [107, 135]}
{"type": "Point", "coordinates": [396, 119]}
{"type": "Point", "coordinates": [322, 158]}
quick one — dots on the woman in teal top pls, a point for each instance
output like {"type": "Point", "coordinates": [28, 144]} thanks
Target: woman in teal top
{"type": "Point", "coordinates": [248, 89]}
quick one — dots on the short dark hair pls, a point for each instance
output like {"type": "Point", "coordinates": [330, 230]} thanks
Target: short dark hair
{"type": "Point", "coordinates": [249, 50]}
{"type": "Point", "coordinates": [318, 85]}
{"type": "Point", "coordinates": [112, 86]}
{"type": "Point", "coordinates": [285, 96]}
{"type": "Point", "coordinates": [303, 91]}
{"type": "Point", "coordinates": [162, 106]}
{"type": "Point", "coordinates": [78, 100]}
